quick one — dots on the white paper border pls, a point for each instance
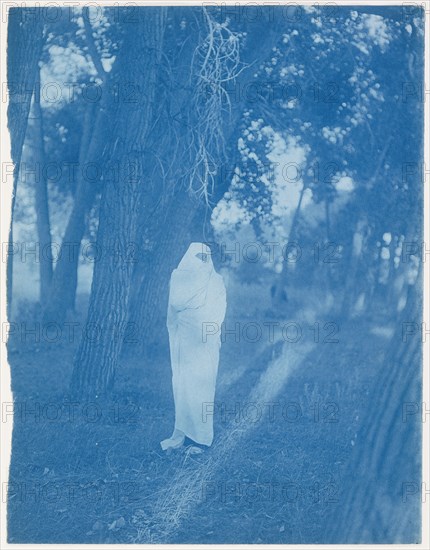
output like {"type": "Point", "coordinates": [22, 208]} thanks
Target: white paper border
{"type": "Point", "coordinates": [6, 198]}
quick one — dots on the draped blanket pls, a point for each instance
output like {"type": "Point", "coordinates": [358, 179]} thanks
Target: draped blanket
{"type": "Point", "coordinates": [197, 300]}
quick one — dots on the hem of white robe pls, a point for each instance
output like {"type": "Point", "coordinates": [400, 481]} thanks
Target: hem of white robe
{"type": "Point", "coordinates": [199, 440]}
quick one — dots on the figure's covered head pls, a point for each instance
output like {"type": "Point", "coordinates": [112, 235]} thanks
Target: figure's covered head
{"type": "Point", "coordinates": [189, 282]}
{"type": "Point", "coordinates": [198, 256]}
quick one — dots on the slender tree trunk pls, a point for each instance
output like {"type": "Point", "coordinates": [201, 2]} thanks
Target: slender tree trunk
{"type": "Point", "coordinates": [24, 39]}
{"type": "Point", "coordinates": [65, 277]}
{"type": "Point", "coordinates": [392, 274]}
{"type": "Point", "coordinates": [359, 236]}
{"type": "Point", "coordinates": [97, 356]}
{"type": "Point", "coordinates": [357, 246]}
{"type": "Point", "coordinates": [327, 267]}
{"type": "Point", "coordinates": [42, 205]}
{"type": "Point", "coordinates": [327, 218]}
{"type": "Point", "coordinates": [279, 296]}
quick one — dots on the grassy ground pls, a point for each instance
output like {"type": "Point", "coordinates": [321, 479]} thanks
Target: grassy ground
{"type": "Point", "coordinates": [96, 473]}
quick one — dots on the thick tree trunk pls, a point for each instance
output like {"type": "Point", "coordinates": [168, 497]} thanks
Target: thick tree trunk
{"type": "Point", "coordinates": [166, 211]}
{"type": "Point", "coordinates": [382, 493]}
{"type": "Point", "coordinates": [24, 42]}
{"type": "Point", "coordinates": [96, 358]}
{"type": "Point", "coordinates": [186, 219]}
{"type": "Point", "coordinates": [148, 304]}
{"type": "Point", "coordinates": [42, 206]}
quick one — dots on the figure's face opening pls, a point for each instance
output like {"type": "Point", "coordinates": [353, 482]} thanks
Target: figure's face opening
{"type": "Point", "coordinates": [203, 257]}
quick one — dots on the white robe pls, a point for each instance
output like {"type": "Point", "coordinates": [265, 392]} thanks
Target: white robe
{"type": "Point", "coordinates": [197, 304]}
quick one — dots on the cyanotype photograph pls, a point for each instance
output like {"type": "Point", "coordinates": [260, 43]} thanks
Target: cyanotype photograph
{"type": "Point", "coordinates": [214, 263]}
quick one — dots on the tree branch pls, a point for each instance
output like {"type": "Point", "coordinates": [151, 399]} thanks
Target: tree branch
{"type": "Point", "coordinates": [92, 49]}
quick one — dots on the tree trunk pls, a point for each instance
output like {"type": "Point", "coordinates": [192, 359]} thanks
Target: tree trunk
{"type": "Point", "coordinates": [382, 481]}
{"type": "Point", "coordinates": [359, 237]}
{"type": "Point", "coordinates": [96, 358]}
{"type": "Point", "coordinates": [148, 303]}
{"type": "Point", "coordinates": [279, 293]}
{"type": "Point", "coordinates": [42, 206]}
{"type": "Point", "coordinates": [387, 454]}
{"type": "Point", "coordinates": [92, 148]}
{"type": "Point", "coordinates": [357, 246]}
{"type": "Point", "coordinates": [24, 40]}
{"type": "Point", "coordinates": [65, 277]}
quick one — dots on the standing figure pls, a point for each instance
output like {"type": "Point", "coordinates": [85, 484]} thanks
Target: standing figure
{"type": "Point", "coordinates": [197, 300]}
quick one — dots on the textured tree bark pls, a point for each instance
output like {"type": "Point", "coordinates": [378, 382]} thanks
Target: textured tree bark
{"type": "Point", "coordinates": [96, 358]}
{"type": "Point", "coordinates": [24, 40]}
{"type": "Point", "coordinates": [384, 493]}
{"type": "Point", "coordinates": [150, 291]}
{"type": "Point", "coordinates": [185, 218]}
{"type": "Point", "coordinates": [387, 453]}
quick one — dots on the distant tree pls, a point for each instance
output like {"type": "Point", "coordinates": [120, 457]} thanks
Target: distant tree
{"type": "Point", "coordinates": [92, 150]}
{"type": "Point", "coordinates": [42, 203]}
{"type": "Point", "coordinates": [25, 33]}
{"type": "Point", "coordinates": [327, 86]}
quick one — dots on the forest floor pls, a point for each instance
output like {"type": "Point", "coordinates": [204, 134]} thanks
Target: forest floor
{"type": "Point", "coordinates": [286, 421]}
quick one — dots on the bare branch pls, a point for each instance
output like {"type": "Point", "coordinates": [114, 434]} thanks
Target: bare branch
{"type": "Point", "coordinates": [92, 49]}
{"type": "Point", "coordinates": [216, 61]}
